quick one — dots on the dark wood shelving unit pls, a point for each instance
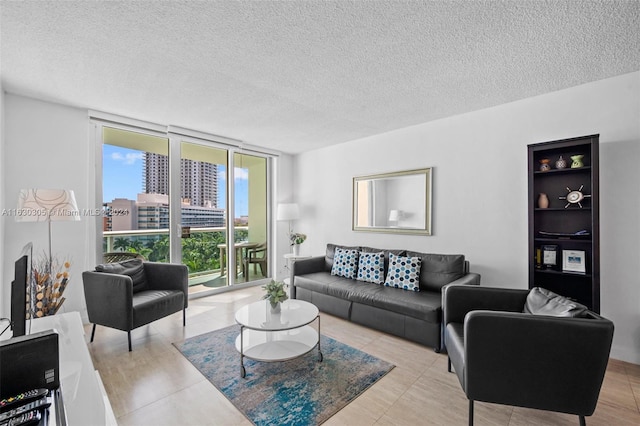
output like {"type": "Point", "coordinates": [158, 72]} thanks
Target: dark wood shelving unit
{"type": "Point", "coordinates": [562, 217]}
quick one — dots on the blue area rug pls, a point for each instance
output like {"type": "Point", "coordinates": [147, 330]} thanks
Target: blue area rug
{"type": "Point", "coordinates": [301, 391]}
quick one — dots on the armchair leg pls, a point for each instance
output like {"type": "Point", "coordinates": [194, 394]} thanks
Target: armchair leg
{"type": "Point", "coordinates": [129, 338]}
{"type": "Point", "coordinates": [184, 317]}
{"type": "Point", "coordinates": [471, 412]}
{"type": "Point", "coordinates": [93, 332]}
{"type": "Point", "coordinates": [583, 421]}
{"type": "Point", "coordinates": [449, 364]}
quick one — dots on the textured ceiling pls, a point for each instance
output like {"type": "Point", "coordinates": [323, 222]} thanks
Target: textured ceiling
{"type": "Point", "coordinates": [296, 76]}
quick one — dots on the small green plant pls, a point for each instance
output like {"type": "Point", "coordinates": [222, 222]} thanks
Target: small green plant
{"type": "Point", "coordinates": [275, 292]}
{"type": "Point", "coordinates": [297, 238]}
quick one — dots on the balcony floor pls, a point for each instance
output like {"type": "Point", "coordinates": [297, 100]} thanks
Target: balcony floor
{"type": "Point", "coordinates": [215, 280]}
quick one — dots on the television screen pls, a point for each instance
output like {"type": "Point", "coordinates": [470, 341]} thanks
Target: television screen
{"type": "Point", "coordinates": [20, 292]}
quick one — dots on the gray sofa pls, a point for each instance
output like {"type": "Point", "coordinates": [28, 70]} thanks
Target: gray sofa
{"type": "Point", "coordinates": [413, 315]}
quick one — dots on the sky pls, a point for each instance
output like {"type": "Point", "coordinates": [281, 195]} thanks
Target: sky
{"type": "Point", "coordinates": [122, 178]}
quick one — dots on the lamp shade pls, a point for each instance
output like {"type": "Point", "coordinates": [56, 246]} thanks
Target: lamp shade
{"type": "Point", "coordinates": [288, 211]}
{"type": "Point", "coordinates": [40, 205]}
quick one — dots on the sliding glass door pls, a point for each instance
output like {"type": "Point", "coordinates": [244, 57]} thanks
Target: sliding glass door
{"type": "Point", "coordinates": [172, 198]}
{"type": "Point", "coordinates": [206, 183]}
{"type": "Point", "coordinates": [251, 221]}
{"type": "Point", "coordinates": [203, 216]}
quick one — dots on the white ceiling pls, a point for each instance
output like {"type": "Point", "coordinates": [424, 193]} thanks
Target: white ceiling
{"type": "Point", "coordinates": [296, 76]}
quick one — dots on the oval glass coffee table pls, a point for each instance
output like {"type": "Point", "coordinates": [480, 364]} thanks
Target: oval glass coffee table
{"type": "Point", "coordinates": [270, 337]}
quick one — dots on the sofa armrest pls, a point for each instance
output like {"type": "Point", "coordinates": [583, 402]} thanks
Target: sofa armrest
{"type": "Point", "coordinates": [469, 279]}
{"type": "Point", "coordinates": [308, 266]}
{"type": "Point", "coordinates": [167, 276]}
{"type": "Point", "coordinates": [536, 361]}
{"type": "Point", "coordinates": [458, 300]}
{"type": "Point", "coordinates": [109, 299]}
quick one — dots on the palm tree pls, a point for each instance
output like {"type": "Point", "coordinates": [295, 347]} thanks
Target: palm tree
{"type": "Point", "coordinates": [160, 250]}
{"type": "Point", "coordinates": [121, 244]}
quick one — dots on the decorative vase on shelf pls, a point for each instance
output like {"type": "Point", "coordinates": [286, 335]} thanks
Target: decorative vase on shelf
{"type": "Point", "coordinates": [577, 161]}
{"type": "Point", "coordinates": [275, 307]}
{"type": "Point", "coordinates": [544, 165]}
{"type": "Point", "coordinates": [296, 249]}
{"type": "Point", "coordinates": [561, 163]}
{"type": "Point", "coordinates": [543, 201]}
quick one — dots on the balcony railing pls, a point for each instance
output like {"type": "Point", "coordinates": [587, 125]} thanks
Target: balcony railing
{"type": "Point", "coordinates": [200, 250]}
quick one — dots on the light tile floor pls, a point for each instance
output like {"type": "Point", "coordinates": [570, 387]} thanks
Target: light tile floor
{"type": "Point", "coordinates": [156, 385]}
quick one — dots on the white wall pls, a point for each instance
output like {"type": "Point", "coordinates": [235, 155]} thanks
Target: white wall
{"type": "Point", "coordinates": [47, 146]}
{"type": "Point", "coordinates": [5, 288]}
{"type": "Point", "coordinates": [283, 194]}
{"type": "Point", "coordinates": [480, 188]}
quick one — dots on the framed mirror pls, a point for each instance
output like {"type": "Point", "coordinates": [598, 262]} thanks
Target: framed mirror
{"type": "Point", "coordinates": [397, 202]}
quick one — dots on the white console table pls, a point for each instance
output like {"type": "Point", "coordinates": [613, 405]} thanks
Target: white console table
{"type": "Point", "coordinates": [85, 400]}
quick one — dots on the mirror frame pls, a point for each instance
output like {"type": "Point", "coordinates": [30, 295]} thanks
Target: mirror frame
{"type": "Point", "coordinates": [423, 230]}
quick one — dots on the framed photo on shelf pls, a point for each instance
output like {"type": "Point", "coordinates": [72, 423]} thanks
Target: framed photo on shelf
{"type": "Point", "coordinates": [550, 256]}
{"type": "Point", "coordinates": [574, 261]}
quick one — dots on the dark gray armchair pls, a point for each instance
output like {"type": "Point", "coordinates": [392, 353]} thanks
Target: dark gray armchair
{"type": "Point", "coordinates": [129, 294]}
{"type": "Point", "coordinates": [506, 356]}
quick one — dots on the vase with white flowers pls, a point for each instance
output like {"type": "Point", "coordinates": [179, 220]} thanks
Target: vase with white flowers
{"type": "Point", "coordinates": [275, 294]}
{"type": "Point", "coordinates": [295, 239]}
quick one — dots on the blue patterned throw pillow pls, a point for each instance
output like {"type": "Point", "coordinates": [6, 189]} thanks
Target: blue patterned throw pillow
{"type": "Point", "coordinates": [371, 267]}
{"type": "Point", "coordinates": [345, 263]}
{"type": "Point", "coordinates": [404, 272]}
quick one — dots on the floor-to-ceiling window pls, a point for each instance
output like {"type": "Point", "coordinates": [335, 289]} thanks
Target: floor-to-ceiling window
{"type": "Point", "coordinates": [135, 193]}
{"type": "Point", "coordinates": [169, 197]}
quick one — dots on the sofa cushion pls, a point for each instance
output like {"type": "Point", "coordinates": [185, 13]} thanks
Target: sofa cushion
{"type": "Point", "coordinates": [404, 272]}
{"type": "Point", "coordinates": [150, 305]}
{"type": "Point", "coordinates": [541, 301]}
{"type": "Point", "coordinates": [317, 281]}
{"type": "Point", "coordinates": [386, 255]}
{"type": "Point", "coordinates": [437, 270]}
{"type": "Point", "coordinates": [330, 254]}
{"type": "Point", "coordinates": [371, 267]}
{"type": "Point", "coordinates": [345, 263]}
{"type": "Point", "coordinates": [425, 305]}
{"type": "Point", "coordinates": [132, 267]}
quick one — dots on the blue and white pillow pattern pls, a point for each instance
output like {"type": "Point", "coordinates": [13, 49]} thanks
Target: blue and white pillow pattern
{"type": "Point", "coordinates": [345, 263]}
{"type": "Point", "coordinates": [371, 267]}
{"type": "Point", "coordinates": [404, 272]}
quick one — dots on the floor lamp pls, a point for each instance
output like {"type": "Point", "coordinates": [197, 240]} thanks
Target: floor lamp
{"type": "Point", "coordinates": [288, 211]}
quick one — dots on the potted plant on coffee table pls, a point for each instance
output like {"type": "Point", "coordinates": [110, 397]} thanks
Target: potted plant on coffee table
{"type": "Point", "coordinates": [275, 294]}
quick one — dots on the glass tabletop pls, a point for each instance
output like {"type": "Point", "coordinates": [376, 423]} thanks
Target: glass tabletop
{"type": "Point", "coordinates": [294, 313]}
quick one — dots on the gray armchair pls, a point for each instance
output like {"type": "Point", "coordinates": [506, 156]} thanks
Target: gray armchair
{"type": "Point", "coordinates": [506, 356]}
{"type": "Point", "coordinates": [133, 293]}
